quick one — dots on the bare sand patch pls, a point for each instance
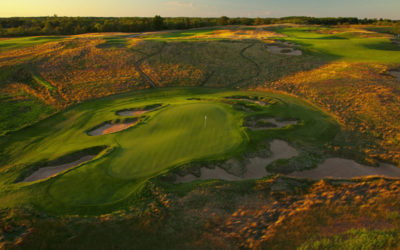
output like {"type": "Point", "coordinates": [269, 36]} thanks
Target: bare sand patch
{"type": "Point", "coordinates": [131, 113]}
{"type": "Point", "coordinates": [255, 168]}
{"type": "Point", "coordinates": [277, 124]}
{"type": "Point", "coordinates": [138, 111]}
{"type": "Point", "coordinates": [338, 168]}
{"type": "Point", "coordinates": [284, 50]}
{"type": "Point", "coordinates": [46, 172]}
{"type": "Point", "coordinates": [395, 74]}
{"type": "Point", "coordinates": [261, 103]}
{"type": "Point", "coordinates": [108, 128]}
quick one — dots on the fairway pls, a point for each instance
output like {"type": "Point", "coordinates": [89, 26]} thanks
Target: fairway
{"type": "Point", "coordinates": [345, 45]}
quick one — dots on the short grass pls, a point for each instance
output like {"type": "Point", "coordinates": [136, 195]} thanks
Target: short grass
{"type": "Point", "coordinates": [17, 43]}
{"type": "Point", "coordinates": [183, 35]}
{"type": "Point", "coordinates": [42, 82]}
{"type": "Point", "coordinates": [170, 137]}
{"type": "Point", "coordinates": [346, 46]}
{"type": "Point", "coordinates": [114, 42]}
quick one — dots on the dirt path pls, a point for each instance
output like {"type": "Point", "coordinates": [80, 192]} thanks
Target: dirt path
{"type": "Point", "coordinates": [255, 169]}
{"type": "Point", "coordinates": [47, 172]}
{"type": "Point", "coordinates": [146, 77]}
{"type": "Point", "coordinates": [252, 62]}
{"type": "Point", "coordinates": [338, 168]}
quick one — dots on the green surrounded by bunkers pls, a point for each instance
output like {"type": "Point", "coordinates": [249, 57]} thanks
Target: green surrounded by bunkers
{"type": "Point", "coordinates": [187, 125]}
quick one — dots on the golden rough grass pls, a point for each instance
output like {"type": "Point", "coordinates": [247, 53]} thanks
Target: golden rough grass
{"type": "Point", "coordinates": [362, 96]}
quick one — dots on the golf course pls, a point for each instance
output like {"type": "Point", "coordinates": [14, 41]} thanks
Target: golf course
{"type": "Point", "coordinates": [191, 125]}
{"type": "Point", "coordinates": [211, 135]}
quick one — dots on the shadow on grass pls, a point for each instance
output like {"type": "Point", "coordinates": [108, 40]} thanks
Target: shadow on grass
{"type": "Point", "coordinates": [383, 46]}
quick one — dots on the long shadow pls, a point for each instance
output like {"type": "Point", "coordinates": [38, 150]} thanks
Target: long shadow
{"type": "Point", "coordinates": [383, 46]}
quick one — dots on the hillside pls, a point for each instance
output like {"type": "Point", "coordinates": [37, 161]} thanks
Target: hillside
{"type": "Point", "coordinates": [336, 65]}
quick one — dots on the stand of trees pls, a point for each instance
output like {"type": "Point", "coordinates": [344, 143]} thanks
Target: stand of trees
{"type": "Point", "coordinates": [24, 26]}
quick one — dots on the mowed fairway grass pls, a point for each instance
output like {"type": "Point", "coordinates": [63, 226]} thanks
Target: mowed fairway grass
{"type": "Point", "coordinates": [346, 45]}
{"type": "Point", "coordinates": [167, 138]}
{"type": "Point", "coordinates": [22, 42]}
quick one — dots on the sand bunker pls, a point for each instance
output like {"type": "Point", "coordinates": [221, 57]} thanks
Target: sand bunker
{"type": "Point", "coordinates": [338, 168]}
{"type": "Point", "coordinates": [395, 74]}
{"type": "Point", "coordinates": [272, 121]}
{"type": "Point", "coordinates": [261, 103]}
{"type": "Point", "coordinates": [138, 111]}
{"type": "Point", "coordinates": [46, 172]}
{"type": "Point", "coordinates": [131, 113]}
{"type": "Point", "coordinates": [255, 169]}
{"type": "Point", "coordinates": [284, 50]}
{"type": "Point", "coordinates": [109, 128]}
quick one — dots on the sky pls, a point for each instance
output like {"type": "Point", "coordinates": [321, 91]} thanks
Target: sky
{"type": "Point", "coordinates": [203, 8]}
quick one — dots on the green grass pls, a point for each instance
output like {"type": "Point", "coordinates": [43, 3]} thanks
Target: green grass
{"type": "Point", "coordinates": [17, 43]}
{"type": "Point", "coordinates": [344, 46]}
{"type": "Point", "coordinates": [17, 114]}
{"type": "Point", "coordinates": [169, 137]}
{"type": "Point", "coordinates": [42, 82]}
{"type": "Point", "coordinates": [182, 36]}
{"type": "Point", "coordinates": [114, 42]}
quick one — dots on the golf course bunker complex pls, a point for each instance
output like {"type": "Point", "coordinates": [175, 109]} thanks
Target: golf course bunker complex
{"type": "Point", "coordinates": [109, 128]}
{"type": "Point", "coordinates": [206, 128]}
{"type": "Point", "coordinates": [255, 168]}
{"type": "Point", "coordinates": [138, 111]}
{"type": "Point", "coordinates": [338, 168]}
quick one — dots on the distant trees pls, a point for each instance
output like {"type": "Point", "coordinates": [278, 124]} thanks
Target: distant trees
{"type": "Point", "coordinates": [158, 23]}
{"type": "Point", "coordinates": [224, 20]}
{"type": "Point", "coordinates": [55, 25]}
{"type": "Point", "coordinates": [396, 29]}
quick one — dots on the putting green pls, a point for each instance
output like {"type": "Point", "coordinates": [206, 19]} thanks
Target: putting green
{"type": "Point", "coordinates": [175, 135]}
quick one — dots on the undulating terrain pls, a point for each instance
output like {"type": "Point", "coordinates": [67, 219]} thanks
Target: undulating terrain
{"type": "Point", "coordinates": [266, 137]}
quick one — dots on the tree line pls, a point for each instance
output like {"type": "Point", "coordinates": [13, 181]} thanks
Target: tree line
{"type": "Point", "coordinates": [55, 25]}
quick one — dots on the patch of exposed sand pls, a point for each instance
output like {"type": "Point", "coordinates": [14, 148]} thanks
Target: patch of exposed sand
{"type": "Point", "coordinates": [284, 50]}
{"type": "Point", "coordinates": [131, 113]}
{"type": "Point", "coordinates": [395, 74]}
{"type": "Point", "coordinates": [278, 124]}
{"type": "Point", "coordinates": [257, 166]}
{"type": "Point", "coordinates": [138, 111]}
{"type": "Point", "coordinates": [46, 172]}
{"type": "Point", "coordinates": [255, 169]}
{"type": "Point", "coordinates": [109, 128]}
{"type": "Point", "coordinates": [338, 168]}
{"type": "Point", "coordinates": [261, 103]}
